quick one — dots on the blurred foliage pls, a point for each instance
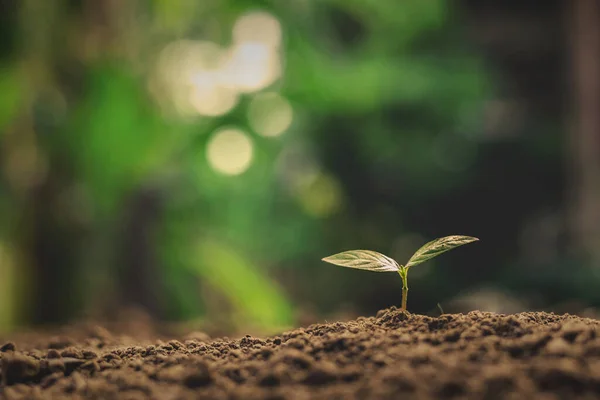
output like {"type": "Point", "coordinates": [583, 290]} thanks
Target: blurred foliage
{"type": "Point", "coordinates": [110, 195]}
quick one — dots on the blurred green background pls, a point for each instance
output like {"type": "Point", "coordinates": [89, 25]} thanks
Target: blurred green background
{"type": "Point", "coordinates": [197, 159]}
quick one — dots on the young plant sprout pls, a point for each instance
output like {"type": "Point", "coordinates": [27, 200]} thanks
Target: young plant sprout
{"type": "Point", "coordinates": [374, 261]}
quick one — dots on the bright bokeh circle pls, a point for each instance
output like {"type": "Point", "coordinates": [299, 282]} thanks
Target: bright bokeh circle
{"type": "Point", "coordinates": [230, 151]}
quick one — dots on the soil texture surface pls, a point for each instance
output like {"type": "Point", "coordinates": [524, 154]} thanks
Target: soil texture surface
{"type": "Point", "coordinates": [394, 355]}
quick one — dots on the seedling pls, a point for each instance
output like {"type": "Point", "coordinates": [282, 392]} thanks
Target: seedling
{"type": "Point", "coordinates": [374, 261]}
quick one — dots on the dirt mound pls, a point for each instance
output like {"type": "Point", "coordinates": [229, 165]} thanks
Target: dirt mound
{"type": "Point", "coordinates": [393, 355]}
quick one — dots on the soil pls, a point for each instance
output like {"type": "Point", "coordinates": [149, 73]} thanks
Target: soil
{"type": "Point", "coordinates": [390, 356]}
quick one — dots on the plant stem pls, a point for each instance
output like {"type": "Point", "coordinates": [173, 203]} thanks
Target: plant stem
{"type": "Point", "coordinates": [404, 275]}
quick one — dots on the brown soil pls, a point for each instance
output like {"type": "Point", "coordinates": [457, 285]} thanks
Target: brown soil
{"type": "Point", "coordinates": [393, 355]}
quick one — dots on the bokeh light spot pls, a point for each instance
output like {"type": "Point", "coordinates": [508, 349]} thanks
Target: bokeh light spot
{"type": "Point", "coordinates": [209, 97]}
{"type": "Point", "coordinates": [258, 26]}
{"type": "Point", "coordinates": [252, 66]}
{"type": "Point", "coordinates": [270, 114]}
{"type": "Point", "coordinates": [192, 74]}
{"type": "Point", "coordinates": [201, 77]}
{"type": "Point", "coordinates": [322, 197]}
{"type": "Point", "coordinates": [230, 151]}
{"type": "Point", "coordinates": [254, 60]}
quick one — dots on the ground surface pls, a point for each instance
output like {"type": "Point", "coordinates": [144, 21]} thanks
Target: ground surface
{"type": "Point", "coordinates": [390, 356]}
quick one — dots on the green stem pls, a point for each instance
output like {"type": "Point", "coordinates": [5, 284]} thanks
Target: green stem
{"type": "Point", "coordinates": [404, 275]}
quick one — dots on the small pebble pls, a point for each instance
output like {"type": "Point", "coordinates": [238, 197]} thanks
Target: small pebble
{"type": "Point", "coordinates": [8, 346]}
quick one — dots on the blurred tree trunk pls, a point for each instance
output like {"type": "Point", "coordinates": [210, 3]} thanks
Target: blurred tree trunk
{"type": "Point", "coordinates": [139, 275]}
{"type": "Point", "coordinates": [584, 23]}
{"type": "Point", "coordinates": [50, 240]}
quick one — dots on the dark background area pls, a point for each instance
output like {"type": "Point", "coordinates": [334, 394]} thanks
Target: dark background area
{"type": "Point", "coordinates": [198, 159]}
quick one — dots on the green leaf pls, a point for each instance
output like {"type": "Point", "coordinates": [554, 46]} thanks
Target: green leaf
{"type": "Point", "coordinates": [437, 247]}
{"type": "Point", "coordinates": [364, 259]}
